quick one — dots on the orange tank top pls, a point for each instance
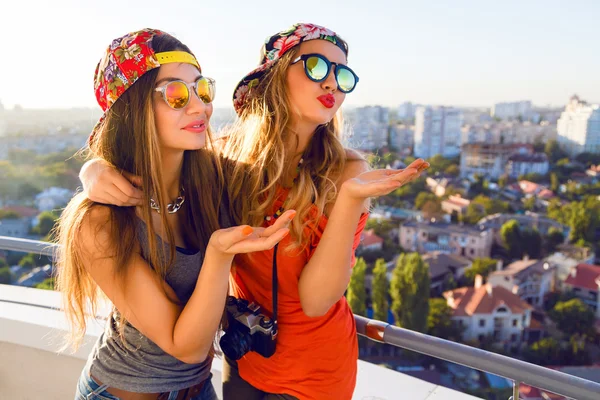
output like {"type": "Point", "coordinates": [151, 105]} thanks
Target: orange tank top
{"type": "Point", "coordinates": [316, 358]}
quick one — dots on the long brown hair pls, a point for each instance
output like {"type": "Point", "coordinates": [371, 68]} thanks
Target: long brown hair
{"type": "Point", "coordinates": [256, 145]}
{"type": "Point", "coordinates": [128, 140]}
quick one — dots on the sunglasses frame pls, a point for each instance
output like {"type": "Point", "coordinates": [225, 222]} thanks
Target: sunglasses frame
{"type": "Point", "coordinates": [211, 83]}
{"type": "Point", "coordinates": [329, 64]}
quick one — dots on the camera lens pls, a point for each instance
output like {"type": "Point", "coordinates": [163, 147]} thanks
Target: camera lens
{"type": "Point", "coordinates": [235, 344]}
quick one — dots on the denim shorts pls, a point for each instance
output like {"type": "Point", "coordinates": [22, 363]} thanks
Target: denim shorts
{"type": "Point", "coordinates": [89, 389]}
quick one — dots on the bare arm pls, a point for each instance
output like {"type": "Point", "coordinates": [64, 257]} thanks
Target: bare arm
{"type": "Point", "coordinates": [186, 333]}
{"type": "Point", "coordinates": [104, 184]}
{"type": "Point", "coordinates": [326, 276]}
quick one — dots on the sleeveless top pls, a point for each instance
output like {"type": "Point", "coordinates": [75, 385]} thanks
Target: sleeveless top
{"type": "Point", "coordinates": [135, 363]}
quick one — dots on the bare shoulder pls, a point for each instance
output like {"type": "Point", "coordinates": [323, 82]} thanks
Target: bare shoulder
{"type": "Point", "coordinates": [355, 165]}
{"type": "Point", "coordinates": [95, 230]}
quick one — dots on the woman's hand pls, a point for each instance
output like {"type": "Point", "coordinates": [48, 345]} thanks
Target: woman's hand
{"type": "Point", "coordinates": [104, 184]}
{"type": "Point", "coordinates": [246, 239]}
{"type": "Point", "coordinates": [380, 182]}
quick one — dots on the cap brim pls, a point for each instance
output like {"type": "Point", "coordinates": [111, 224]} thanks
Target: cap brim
{"type": "Point", "coordinates": [252, 79]}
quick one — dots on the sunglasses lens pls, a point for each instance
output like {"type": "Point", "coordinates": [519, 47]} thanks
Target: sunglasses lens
{"type": "Point", "coordinates": [316, 68]}
{"type": "Point", "coordinates": [346, 79]}
{"type": "Point", "coordinates": [206, 90]}
{"type": "Point", "coordinates": [177, 95]}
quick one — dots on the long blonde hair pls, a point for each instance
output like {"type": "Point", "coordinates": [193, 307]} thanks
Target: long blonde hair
{"type": "Point", "coordinates": [128, 140]}
{"type": "Point", "coordinates": [255, 146]}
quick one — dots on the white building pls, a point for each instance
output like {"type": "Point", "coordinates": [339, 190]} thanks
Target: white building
{"type": "Point", "coordinates": [406, 111]}
{"type": "Point", "coordinates": [53, 198]}
{"type": "Point", "coordinates": [370, 127]}
{"type": "Point", "coordinates": [579, 127]}
{"type": "Point", "coordinates": [531, 279]}
{"type": "Point", "coordinates": [486, 310]}
{"type": "Point", "coordinates": [437, 131]}
{"type": "Point", "coordinates": [403, 138]}
{"type": "Point", "coordinates": [512, 110]}
{"type": "Point", "coordinates": [523, 164]}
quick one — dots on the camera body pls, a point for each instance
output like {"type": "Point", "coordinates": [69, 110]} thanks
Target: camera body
{"type": "Point", "coordinates": [249, 330]}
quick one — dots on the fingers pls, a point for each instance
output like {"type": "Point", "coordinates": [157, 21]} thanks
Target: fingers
{"type": "Point", "coordinates": [419, 164]}
{"type": "Point", "coordinates": [226, 238]}
{"type": "Point", "coordinates": [282, 222]}
{"type": "Point", "coordinates": [404, 176]}
{"type": "Point", "coordinates": [135, 179]}
{"type": "Point", "coordinates": [254, 243]}
{"type": "Point", "coordinates": [123, 183]}
{"type": "Point", "coordinates": [123, 199]}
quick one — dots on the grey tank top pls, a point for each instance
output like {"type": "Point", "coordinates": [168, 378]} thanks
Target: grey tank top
{"type": "Point", "coordinates": [139, 365]}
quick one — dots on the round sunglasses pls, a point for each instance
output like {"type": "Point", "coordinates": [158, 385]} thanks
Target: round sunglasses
{"type": "Point", "coordinates": [177, 93]}
{"type": "Point", "coordinates": [317, 68]}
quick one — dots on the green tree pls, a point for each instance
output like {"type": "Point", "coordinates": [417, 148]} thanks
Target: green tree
{"type": "Point", "coordinates": [481, 266]}
{"type": "Point", "coordinates": [47, 220]}
{"type": "Point", "coordinates": [531, 243]}
{"type": "Point", "coordinates": [6, 276]}
{"type": "Point", "coordinates": [357, 293]}
{"type": "Point", "coordinates": [28, 261]}
{"type": "Point", "coordinates": [503, 181]}
{"type": "Point", "coordinates": [544, 352]}
{"type": "Point", "coordinates": [409, 291]}
{"type": "Point", "coordinates": [439, 321]}
{"type": "Point", "coordinates": [529, 204]}
{"type": "Point", "coordinates": [452, 170]}
{"type": "Point", "coordinates": [9, 214]}
{"type": "Point", "coordinates": [474, 213]}
{"type": "Point", "coordinates": [573, 317]}
{"type": "Point", "coordinates": [554, 182]}
{"type": "Point", "coordinates": [580, 223]}
{"type": "Point", "coordinates": [379, 291]}
{"type": "Point", "coordinates": [511, 237]}
{"type": "Point", "coordinates": [553, 239]}
{"type": "Point", "coordinates": [553, 151]}
{"type": "Point", "coordinates": [423, 198]}
{"type": "Point", "coordinates": [47, 284]}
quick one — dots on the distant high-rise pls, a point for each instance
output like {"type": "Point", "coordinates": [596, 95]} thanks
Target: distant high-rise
{"type": "Point", "coordinates": [437, 131]}
{"type": "Point", "coordinates": [578, 127]}
{"type": "Point", "coordinates": [369, 127]}
{"type": "Point", "coordinates": [514, 110]}
{"type": "Point", "coordinates": [406, 111]}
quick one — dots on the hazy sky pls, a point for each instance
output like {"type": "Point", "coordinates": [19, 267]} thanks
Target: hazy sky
{"type": "Point", "coordinates": [431, 52]}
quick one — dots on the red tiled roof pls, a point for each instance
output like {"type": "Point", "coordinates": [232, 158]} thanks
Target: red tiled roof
{"type": "Point", "coordinates": [470, 300]}
{"type": "Point", "coordinates": [587, 276]}
{"type": "Point", "coordinates": [528, 187]}
{"type": "Point", "coordinates": [370, 238]}
{"type": "Point", "coordinates": [23, 211]}
{"type": "Point", "coordinates": [546, 193]}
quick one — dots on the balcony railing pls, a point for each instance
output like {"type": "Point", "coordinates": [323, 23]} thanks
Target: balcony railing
{"type": "Point", "coordinates": [515, 370]}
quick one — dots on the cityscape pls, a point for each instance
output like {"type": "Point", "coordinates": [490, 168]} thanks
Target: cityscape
{"type": "Point", "coordinates": [499, 239]}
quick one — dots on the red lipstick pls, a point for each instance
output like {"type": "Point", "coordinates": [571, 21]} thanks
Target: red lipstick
{"type": "Point", "coordinates": [327, 100]}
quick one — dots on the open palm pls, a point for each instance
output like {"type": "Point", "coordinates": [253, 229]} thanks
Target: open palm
{"type": "Point", "coordinates": [380, 182]}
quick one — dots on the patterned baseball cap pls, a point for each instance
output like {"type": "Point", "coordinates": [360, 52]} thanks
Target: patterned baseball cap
{"type": "Point", "coordinates": [125, 61]}
{"type": "Point", "coordinates": [274, 48]}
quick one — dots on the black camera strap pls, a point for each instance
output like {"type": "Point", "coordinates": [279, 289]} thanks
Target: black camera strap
{"type": "Point", "coordinates": [274, 288]}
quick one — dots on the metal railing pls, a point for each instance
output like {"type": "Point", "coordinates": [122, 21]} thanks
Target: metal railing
{"type": "Point", "coordinates": [516, 370]}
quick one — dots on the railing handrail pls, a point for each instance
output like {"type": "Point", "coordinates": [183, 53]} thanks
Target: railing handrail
{"type": "Point", "coordinates": [510, 368]}
{"type": "Point", "coordinates": [28, 246]}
